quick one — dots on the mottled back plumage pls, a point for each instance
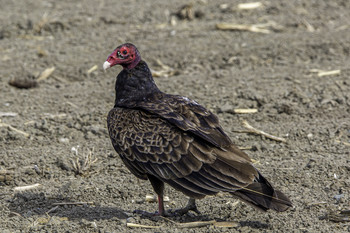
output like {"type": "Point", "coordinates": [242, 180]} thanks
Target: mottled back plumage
{"type": "Point", "coordinates": [172, 139]}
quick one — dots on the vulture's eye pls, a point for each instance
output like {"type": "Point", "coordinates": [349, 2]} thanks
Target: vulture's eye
{"type": "Point", "coordinates": [125, 52]}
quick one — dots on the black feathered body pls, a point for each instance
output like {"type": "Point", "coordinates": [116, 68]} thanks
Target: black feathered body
{"type": "Point", "coordinates": [172, 139]}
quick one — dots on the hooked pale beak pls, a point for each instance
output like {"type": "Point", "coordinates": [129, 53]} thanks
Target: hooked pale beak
{"type": "Point", "coordinates": [106, 65]}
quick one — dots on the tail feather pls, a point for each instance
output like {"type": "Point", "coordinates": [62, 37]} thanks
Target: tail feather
{"type": "Point", "coordinates": [263, 196]}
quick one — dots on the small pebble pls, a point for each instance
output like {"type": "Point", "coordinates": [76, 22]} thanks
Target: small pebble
{"type": "Point", "coordinates": [63, 140]}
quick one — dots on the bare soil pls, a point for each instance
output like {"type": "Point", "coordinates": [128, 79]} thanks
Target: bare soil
{"type": "Point", "coordinates": [65, 114]}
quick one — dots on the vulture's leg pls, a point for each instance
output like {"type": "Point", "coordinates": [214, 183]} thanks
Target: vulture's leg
{"type": "Point", "coordinates": [158, 187]}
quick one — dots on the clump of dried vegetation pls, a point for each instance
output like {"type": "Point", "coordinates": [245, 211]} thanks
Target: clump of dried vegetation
{"type": "Point", "coordinates": [83, 165]}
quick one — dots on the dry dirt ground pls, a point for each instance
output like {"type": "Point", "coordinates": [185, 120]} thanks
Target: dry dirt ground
{"type": "Point", "coordinates": [63, 118]}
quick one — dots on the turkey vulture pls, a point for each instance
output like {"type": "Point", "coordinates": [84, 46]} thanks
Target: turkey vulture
{"type": "Point", "coordinates": [171, 139]}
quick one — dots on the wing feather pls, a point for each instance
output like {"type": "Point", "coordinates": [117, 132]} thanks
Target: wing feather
{"type": "Point", "coordinates": [151, 145]}
{"type": "Point", "coordinates": [187, 115]}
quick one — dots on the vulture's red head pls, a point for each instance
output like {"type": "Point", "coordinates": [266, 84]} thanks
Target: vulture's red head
{"type": "Point", "coordinates": [125, 55]}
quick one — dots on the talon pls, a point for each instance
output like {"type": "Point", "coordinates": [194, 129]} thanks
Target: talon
{"type": "Point", "coordinates": [195, 209]}
{"type": "Point", "coordinates": [191, 205]}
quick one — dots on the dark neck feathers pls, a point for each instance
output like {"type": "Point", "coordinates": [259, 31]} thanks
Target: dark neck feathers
{"type": "Point", "coordinates": [134, 85]}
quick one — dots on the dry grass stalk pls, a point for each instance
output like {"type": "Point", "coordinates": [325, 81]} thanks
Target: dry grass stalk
{"type": "Point", "coordinates": [245, 147]}
{"type": "Point", "coordinates": [45, 74]}
{"type": "Point", "coordinates": [71, 104]}
{"type": "Point", "coordinates": [129, 224]}
{"type": "Point", "coordinates": [342, 27]}
{"type": "Point", "coordinates": [8, 114]}
{"type": "Point", "coordinates": [52, 209]}
{"type": "Point", "coordinates": [251, 129]}
{"type": "Point", "coordinates": [308, 26]}
{"type": "Point", "coordinates": [321, 73]}
{"type": "Point", "coordinates": [92, 69]}
{"type": "Point", "coordinates": [345, 143]}
{"type": "Point", "coordinates": [245, 111]}
{"type": "Point", "coordinates": [29, 122]}
{"type": "Point", "coordinates": [153, 198]}
{"type": "Point", "coordinates": [260, 28]}
{"type": "Point", "coordinates": [52, 116]}
{"type": "Point", "coordinates": [74, 203]}
{"type": "Point", "coordinates": [226, 224]}
{"type": "Point", "coordinates": [254, 161]}
{"type": "Point", "coordinates": [195, 224]}
{"type": "Point", "coordinates": [249, 5]}
{"type": "Point", "coordinates": [14, 129]}
{"type": "Point", "coordinates": [203, 223]}
{"type": "Point", "coordinates": [317, 203]}
{"type": "Point", "coordinates": [27, 187]}
{"type": "Point", "coordinates": [14, 214]}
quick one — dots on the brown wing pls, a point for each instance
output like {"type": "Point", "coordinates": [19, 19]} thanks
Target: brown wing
{"type": "Point", "coordinates": [188, 115]}
{"type": "Point", "coordinates": [151, 145]}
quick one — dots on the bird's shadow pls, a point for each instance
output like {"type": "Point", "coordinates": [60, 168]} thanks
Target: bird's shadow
{"type": "Point", "coordinates": [29, 204]}
{"type": "Point", "coordinates": [36, 204]}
